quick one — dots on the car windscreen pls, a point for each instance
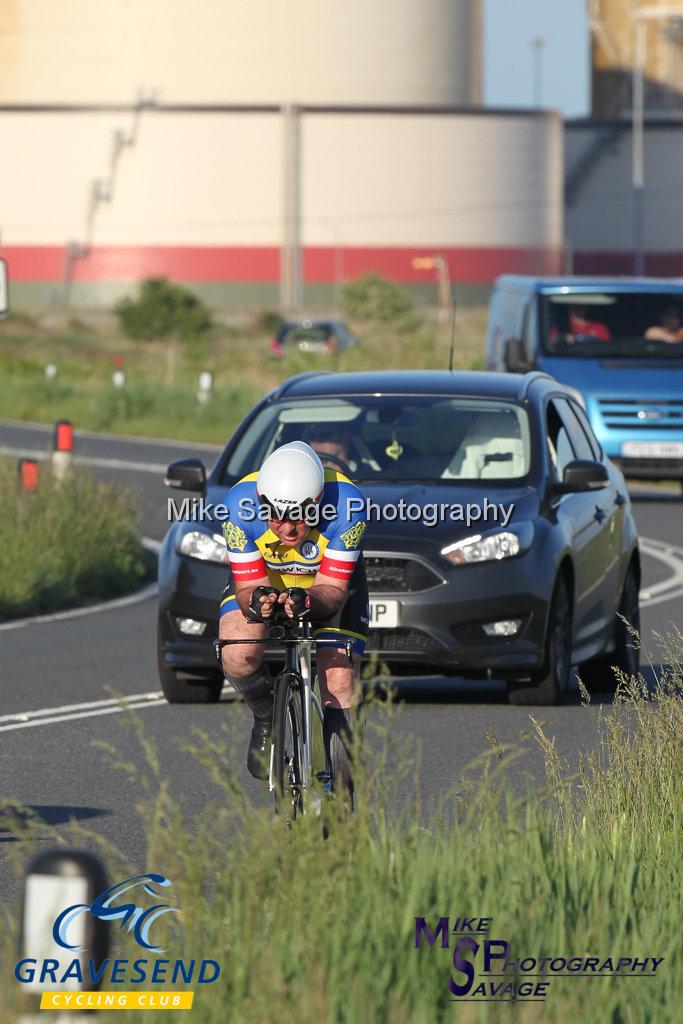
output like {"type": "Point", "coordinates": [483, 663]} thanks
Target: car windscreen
{"type": "Point", "coordinates": [618, 324]}
{"type": "Point", "coordinates": [403, 438]}
{"type": "Point", "coordinates": [320, 332]}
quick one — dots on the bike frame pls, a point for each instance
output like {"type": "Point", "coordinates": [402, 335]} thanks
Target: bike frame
{"type": "Point", "coordinates": [297, 639]}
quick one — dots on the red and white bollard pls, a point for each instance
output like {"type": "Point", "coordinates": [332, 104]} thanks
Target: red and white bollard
{"type": "Point", "coordinates": [28, 475]}
{"type": "Point", "coordinates": [62, 449]}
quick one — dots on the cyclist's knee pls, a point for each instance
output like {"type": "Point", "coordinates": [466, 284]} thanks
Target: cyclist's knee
{"type": "Point", "coordinates": [242, 662]}
{"type": "Point", "coordinates": [339, 679]}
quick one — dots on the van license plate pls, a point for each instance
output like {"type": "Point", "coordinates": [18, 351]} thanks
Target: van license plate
{"type": "Point", "coordinates": [383, 614]}
{"type": "Point", "coordinates": [652, 449]}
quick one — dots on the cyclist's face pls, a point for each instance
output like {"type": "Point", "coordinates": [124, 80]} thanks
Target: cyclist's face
{"type": "Point", "coordinates": [289, 533]}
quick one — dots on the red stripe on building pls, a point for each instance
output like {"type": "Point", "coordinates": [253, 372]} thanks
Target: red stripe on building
{"type": "Point", "coordinates": [657, 264]}
{"type": "Point", "coordinates": [262, 263]}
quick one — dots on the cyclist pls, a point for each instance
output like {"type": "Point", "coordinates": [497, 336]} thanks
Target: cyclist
{"type": "Point", "coordinates": [292, 540]}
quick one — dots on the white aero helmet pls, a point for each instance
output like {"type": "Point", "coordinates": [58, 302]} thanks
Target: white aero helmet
{"type": "Point", "coordinates": [290, 481]}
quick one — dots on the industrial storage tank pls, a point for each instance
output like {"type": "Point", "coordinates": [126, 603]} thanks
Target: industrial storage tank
{"type": "Point", "coordinates": [306, 51]}
{"type": "Point", "coordinates": [613, 36]}
{"type": "Point", "coordinates": [262, 152]}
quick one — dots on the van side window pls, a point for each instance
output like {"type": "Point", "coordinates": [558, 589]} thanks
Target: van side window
{"type": "Point", "coordinates": [560, 449]}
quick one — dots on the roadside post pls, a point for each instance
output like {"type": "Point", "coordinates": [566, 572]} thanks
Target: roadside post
{"type": "Point", "coordinates": [55, 881]}
{"type": "Point", "coordinates": [28, 475]}
{"type": "Point", "coordinates": [118, 377]}
{"type": "Point", "coordinates": [62, 449]}
{"type": "Point", "coordinates": [204, 386]}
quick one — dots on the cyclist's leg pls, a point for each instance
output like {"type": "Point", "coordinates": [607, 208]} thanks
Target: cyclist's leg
{"type": "Point", "coordinates": [340, 687]}
{"type": "Point", "coordinates": [244, 666]}
{"type": "Point", "coordinates": [341, 697]}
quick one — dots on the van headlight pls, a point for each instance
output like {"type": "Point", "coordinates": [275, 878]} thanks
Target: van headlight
{"type": "Point", "coordinates": [206, 547]}
{"type": "Point", "coordinates": [490, 547]}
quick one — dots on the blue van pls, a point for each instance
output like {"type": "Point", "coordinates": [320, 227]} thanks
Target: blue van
{"type": "Point", "coordinates": [618, 341]}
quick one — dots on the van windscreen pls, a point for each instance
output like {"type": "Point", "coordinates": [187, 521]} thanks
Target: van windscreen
{"type": "Point", "coordinates": [613, 324]}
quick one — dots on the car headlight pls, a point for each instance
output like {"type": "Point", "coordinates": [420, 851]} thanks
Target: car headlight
{"type": "Point", "coordinates": [491, 547]}
{"type": "Point", "coordinates": [206, 547]}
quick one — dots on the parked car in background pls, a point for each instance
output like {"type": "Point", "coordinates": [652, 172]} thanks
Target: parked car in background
{"type": "Point", "coordinates": [520, 600]}
{"type": "Point", "coordinates": [322, 336]}
{"type": "Point", "coordinates": [618, 342]}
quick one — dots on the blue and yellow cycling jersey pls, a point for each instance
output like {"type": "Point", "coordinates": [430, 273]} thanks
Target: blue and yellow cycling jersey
{"type": "Point", "coordinates": [332, 547]}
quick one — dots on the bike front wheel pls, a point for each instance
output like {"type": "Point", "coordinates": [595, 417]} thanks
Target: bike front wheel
{"type": "Point", "coordinates": [288, 748]}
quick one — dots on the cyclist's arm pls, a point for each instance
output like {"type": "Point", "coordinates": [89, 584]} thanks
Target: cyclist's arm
{"type": "Point", "coordinates": [327, 596]}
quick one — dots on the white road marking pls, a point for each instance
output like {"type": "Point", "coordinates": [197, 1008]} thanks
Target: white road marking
{"type": "Point", "coordinates": [151, 590]}
{"type": "Point", "coordinates": [88, 709]}
{"type": "Point", "coordinates": [100, 435]}
{"type": "Point", "coordinates": [86, 706]}
{"type": "Point", "coordinates": [88, 460]}
{"type": "Point", "coordinates": [672, 586]}
{"type": "Point", "coordinates": [73, 712]}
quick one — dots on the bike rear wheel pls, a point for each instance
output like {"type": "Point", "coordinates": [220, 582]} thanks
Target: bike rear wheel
{"type": "Point", "coordinates": [288, 752]}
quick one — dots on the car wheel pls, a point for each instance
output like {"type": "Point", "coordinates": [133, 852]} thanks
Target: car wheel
{"type": "Point", "coordinates": [598, 673]}
{"type": "Point", "coordinates": [181, 688]}
{"type": "Point", "coordinates": [550, 685]}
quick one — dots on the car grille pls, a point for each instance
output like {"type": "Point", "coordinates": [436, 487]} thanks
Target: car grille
{"type": "Point", "coordinates": [650, 414]}
{"type": "Point", "coordinates": [398, 575]}
{"type": "Point", "coordinates": [403, 640]}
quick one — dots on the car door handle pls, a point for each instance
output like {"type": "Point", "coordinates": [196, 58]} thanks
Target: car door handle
{"type": "Point", "coordinates": [620, 500]}
{"type": "Point", "coordinates": [599, 513]}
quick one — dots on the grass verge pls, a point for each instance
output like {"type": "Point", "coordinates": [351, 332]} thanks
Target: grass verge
{"type": "Point", "coordinates": [310, 931]}
{"type": "Point", "coordinates": [160, 396]}
{"type": "Point", "coordinates": [66, 544]}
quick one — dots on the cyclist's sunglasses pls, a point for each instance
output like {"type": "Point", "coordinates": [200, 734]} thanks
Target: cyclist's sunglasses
{"type": "Point", "coordinates": [307, 511]}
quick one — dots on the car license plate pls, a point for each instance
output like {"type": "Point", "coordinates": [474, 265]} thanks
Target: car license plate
{"type": "Point", "coordinates": [383, 614]}
{"type": "Point", "coordinates": [653, 449]}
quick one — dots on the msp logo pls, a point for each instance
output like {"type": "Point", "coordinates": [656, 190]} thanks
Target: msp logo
{"type": "Point", "coordinates": [138, 919]}
{"type": "Point", "coordinates": [309, 549]}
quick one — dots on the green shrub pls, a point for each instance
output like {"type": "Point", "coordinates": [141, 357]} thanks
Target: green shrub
{"type": "Point", "coordinates": [65, 545]}
{"type": "Point", "coordinates": [269, 322]}
{"type": "Point", "coordinates": [372, 298]}
{"type": "Point", "coordinates": [162, 310]}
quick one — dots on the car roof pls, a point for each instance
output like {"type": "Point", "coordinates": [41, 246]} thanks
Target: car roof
{"type": "Point", "coordinates": [475, 383]}
{"type": "Point", "coordinates": [586, 283]}
{"type": "Point", "coordinates": [309, 321]}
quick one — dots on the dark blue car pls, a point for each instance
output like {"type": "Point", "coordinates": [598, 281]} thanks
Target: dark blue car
{"type": "Point", "coordinates": [501, 542]}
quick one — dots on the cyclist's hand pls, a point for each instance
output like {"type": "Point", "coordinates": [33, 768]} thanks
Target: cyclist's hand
{"type": "Point", "coordinates": [262, 605]}
{"type": "Point", "coordinates": [296, 602]}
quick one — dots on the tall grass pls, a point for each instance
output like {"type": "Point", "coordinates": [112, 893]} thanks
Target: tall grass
{"type": "Point", "coordinates": [66, 544]}
{"type": "Point", "coordinates": [309, 931]}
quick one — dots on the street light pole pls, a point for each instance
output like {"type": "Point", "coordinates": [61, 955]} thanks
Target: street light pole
{"type": "Point", "coordinates": [638, 170]}
{"type": "Point", "coordinates": [537, 44]}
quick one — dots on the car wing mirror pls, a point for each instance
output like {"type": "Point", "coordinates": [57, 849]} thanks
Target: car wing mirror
{"type": "Point", "coordinates": [583, 475]}
{"type": "Point", "coordinates": [186, 475]}
{"type": "Point", "coordinates": [515, 360]}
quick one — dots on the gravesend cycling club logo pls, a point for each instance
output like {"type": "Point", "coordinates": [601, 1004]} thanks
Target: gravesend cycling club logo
{"type": "Point", "coordinates": [138, 920]}
{"type": "Point", "coordinates": [485, 969]}
{"type": "Point", "coordinates": [121, 904]}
